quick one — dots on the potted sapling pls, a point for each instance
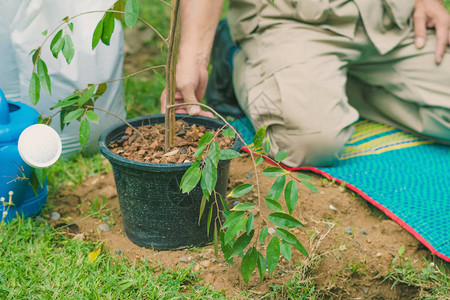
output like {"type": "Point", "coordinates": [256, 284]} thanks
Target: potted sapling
{"type": "Point", "coordinates": [171, 171]}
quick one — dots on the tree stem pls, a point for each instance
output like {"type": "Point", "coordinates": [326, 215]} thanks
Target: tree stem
{"type": "Point", "coordinates": [169, 124]}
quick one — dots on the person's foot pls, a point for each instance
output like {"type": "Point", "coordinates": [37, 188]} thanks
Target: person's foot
{"type": "Point", "coordinates": [219, 91]}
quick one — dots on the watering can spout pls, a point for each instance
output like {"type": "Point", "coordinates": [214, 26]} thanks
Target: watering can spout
{"type": "Point", "coordinates": [4, 109]}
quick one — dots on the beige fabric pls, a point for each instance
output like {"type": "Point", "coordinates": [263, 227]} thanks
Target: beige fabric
{"type": "Point", "coordinates": [296, 57]}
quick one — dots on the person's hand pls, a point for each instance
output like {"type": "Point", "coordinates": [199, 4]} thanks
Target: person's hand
{"type": "Point", "coordinates": [191, 80]}
{"type": "Point", "coordinates": [432, 14]}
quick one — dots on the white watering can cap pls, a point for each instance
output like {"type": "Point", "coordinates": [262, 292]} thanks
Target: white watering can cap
{"type": "Point", "coordinates": [40, 146]}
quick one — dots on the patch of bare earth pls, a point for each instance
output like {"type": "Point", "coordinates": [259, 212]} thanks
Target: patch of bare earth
{"type": "Point", "coordinates": [351, 244]}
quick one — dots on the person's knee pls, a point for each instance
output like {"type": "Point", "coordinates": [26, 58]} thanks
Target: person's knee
{"type": "Point", "coordinates": [316, 149]}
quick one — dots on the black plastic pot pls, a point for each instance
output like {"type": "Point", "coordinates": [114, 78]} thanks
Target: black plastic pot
{"type": "Point", "coordinates": [156, 214]}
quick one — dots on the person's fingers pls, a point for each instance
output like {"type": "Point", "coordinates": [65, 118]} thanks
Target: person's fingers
{"type": "Point", "coordinates": [442, 38]}
{"type": "Point", "coordinates": [202, 83]}
{"type": "Point", "coordinates": [420, 28]}
{"type": "Point", "coordinates": [206, 114]}
{"type": "Point", "coordinates": [188, 93]}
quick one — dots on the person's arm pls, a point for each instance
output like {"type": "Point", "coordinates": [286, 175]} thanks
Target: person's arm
{"type": "Point", "coordinates": [199, 19]}
{"type": "Point", "coordinates": [432, 14]}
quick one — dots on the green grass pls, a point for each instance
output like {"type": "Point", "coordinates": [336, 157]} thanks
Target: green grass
{"type": "Point", "coordinates": [37, 262]}
{"type": "Point", "coordinates": [73, 171]}
{"type": "Point", "coordinates": [433, 280]}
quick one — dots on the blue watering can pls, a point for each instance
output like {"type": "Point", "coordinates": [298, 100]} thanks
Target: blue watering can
{"type": "Point", "coordinates": [14, 173]}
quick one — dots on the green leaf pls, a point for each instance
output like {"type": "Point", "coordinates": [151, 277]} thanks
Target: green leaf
{"type": "Point", "coordinates": [291, 195]}
{"type": "Point", "coordinates": [202, 209]}
{"type": "Point", "coordinates": [36, 55]}
{"type": "Point", "coordinates": [248, 264]}
{"type": "Point", "coordinates": [68, 50]}
{"type": "Point", "coordinates": [160, 78]}
{"type": "Point", "coordinates": [266, 146]}
{"type": "Point", "coordinates": [92, 116]}
{"type": "Point", "coordinates": [232, 219]}
{"type": "Point", "coordinates": [131, 13]}
{"type": "Point", "coordinates": [73, 115]}
{"type": "Point", "coordinates": [97, 34]}
{"type": "Point", "coordinates": [191, 178]}
{"type": "Point", "coordinates": [57, 44]}
{"type": "Point", "coordinates": [228, 132]}
{"type": "Point", "coordinates": [310, 186]}
{"type": "Point", "coordinates": [214, 153]}
{"type": "Point", "coordinates": [258, 160]}
{"type": "Point", "coordinates": [263, 235]}
{"type": "Point", "coordinates": [33, 181]}
{"type": "Point", "coordinates": [275, 172]}
{"type": "Point", "coordinates": [34, 89]}
{"type": "Point", "coordinates": [86, 96]}
{"type": "Point", "coordinates": [108, 28]}
{"type": "Point", "coordinates": [208, 224]}
{"type": "Point", "coordinates": [45, 32]}
{"type": "Point", "coordinates": [284, 220]}
{"type": "Point", "coordinates": [46, 120]}
{"type": "Point", "coordinates": [224, 203]}
{"type": "Point", "coordinates": [43, 76]}
{"type": "Point", "coordinates": [119, 5]}
{"type": "Point", "coordinates": [401, 251]}
{"type": "Point", "coordinates": [226, 154]}
{"type": "Point", "coordinates": [66, 102]}
{"type": "Point", "coordinates": [303, 176]}
{"type": "Point", "coordinates": [209, 176]}
{"type": "Point", "coordinates": [85, 129]}
{"type": "Point", "coordinates": [240, 190]}
{"type": "Point", "coordinates": [243, 207]}
{"type": "Point", "coordinates": [274, 205]}
{"type": "Point", "coordinates": [70, 26]}
{"type": "Point", "coordinates": [291, 239]}
{"type": "Point", "coordinates": [273, 253]}
{"type": "Point", "coordinates": [281, 155]}
{"type": "Point", "coordinates": [41, 175]}
{"type": "Point", "coordinates": [250, 223]}
{"type": "Point", "coordinates": [261, 263]}
{"type": "Point", "coordinates": [204, 141]}
{"type": "Point", "coordinates": [259, 136]}
{"type": "Point", "coordinates": [101, 89]}
{"type": "Point", "coordinates": [285, 249]}
{"type": "Point", "coordinates": [62, 115]}
{"type": "Point", "coordinates": [241, 243]}
{"type": "Point", "coordinates": [226, 248]}
{"type": "Point", "coordinates": [277, 188]}
{"type": "Point", "coordinates": [234, 229]}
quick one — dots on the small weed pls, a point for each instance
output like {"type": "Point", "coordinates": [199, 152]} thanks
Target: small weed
{"type": "Point", "coordinates": [96, 206]}
{"type": "Point", "coordinates": [433, 281]}
{"type": "Point", "coordinates": [356, 268]}
{"type": "Point", "coordinates": [293, 289]}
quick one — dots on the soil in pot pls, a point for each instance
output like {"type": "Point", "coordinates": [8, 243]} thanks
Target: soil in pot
{"type": "Point", "coordinates": [131, 145]}
{"type": "Point", "coordinates": [156, 214]}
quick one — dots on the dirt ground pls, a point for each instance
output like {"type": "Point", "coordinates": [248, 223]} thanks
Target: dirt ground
{"type": "Point", "coordinates": [351, 244]}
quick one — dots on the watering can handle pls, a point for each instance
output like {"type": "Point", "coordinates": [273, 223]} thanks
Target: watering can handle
{"type": "Point", "coordinates": [4, 109]}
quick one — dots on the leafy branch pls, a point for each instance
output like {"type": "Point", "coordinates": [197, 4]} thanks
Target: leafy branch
{"type": "Point", "coordinates": [237, 234]}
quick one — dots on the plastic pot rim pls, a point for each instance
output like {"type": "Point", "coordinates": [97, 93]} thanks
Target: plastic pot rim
{"type": "Point", "coordinates": [119, 160]}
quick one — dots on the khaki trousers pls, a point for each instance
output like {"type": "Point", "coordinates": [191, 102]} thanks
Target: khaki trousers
{"type": "Point", "coordinates": [309, 84]}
